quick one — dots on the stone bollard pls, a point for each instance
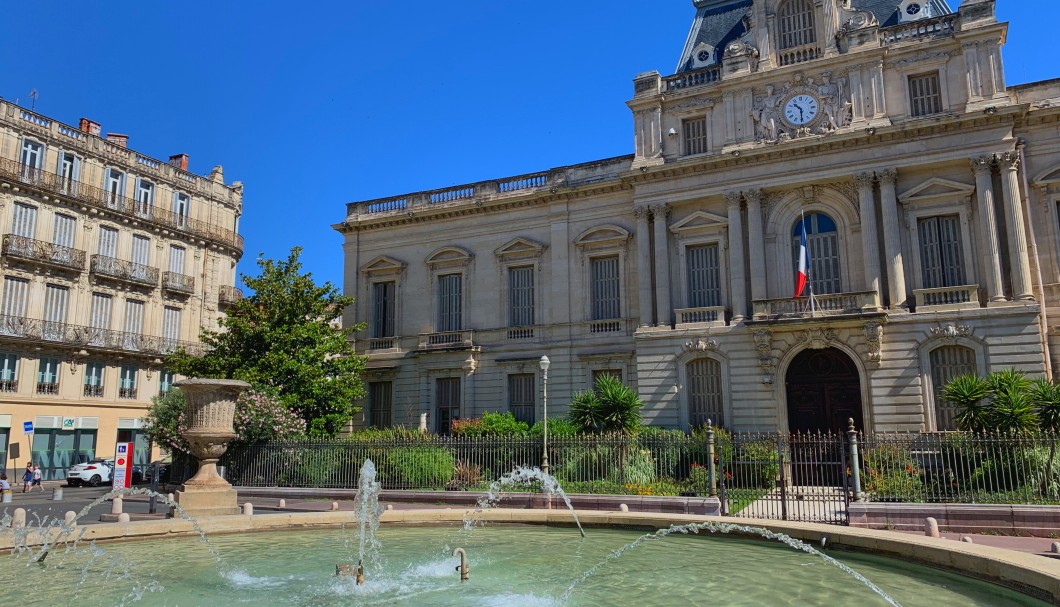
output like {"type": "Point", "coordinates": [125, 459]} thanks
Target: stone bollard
{"type": "Point", "coordinates": [931, 527]}
{"type": "Point", "coordinates": [623, 508]}
{"type": "Point", "coordinates": [8, 497]}
{"type": "Point", "coordinates": [70, 520]}
{"type": "Point", "coordinates": [1056, 548]}
{"type": "Point", "coordinates": [283, 503]}
{"type": "Point", "coordinates": [115, 506]}
{"type": "Point", "coordinates": [334, 506]}
{"type": "Point", "coordinates": [967, 539]}
{"type": "Point", "coordinates": [390, 506]}
{"type": "Point", "coordinates": [170, 498]}
{"type": "Point", "coordinates": [248, 509]}
{"type": "Point", "coordinates": [18, 519]}
{"type": "Point", "coordinates": [123, 517]}
{"type": "Point", "coordinates": [57, 494]}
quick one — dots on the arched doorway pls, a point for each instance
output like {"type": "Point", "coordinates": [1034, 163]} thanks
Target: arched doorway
{"type": "Point", "coordinates": [824, 391]}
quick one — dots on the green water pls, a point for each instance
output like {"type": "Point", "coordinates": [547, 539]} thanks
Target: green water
{"type": "Point", "coordinates": [510, 566]}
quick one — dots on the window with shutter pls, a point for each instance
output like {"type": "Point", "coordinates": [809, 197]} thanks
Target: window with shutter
{"type": "Point", "coordinates": [48, 376]}
{"type": "Point", "coordinates": [522, 391]}
{"type": "Point", "coordinates": [145, 197]}
{"type": "Point", "coordinates": [127, 383]}
{"type": "Point", "coordinates": [925, 95]}
{"type": "Point", "coordinates": [447, 403]}
{"type": "Point", "coordinates": [15, 293]}
{"type": "Point", "coordinates": [450, 303]}
{"type": "Point", "coordinates": [182, 207]}
{"type": "Point", "coordinates": [63, 230]}
{"type": "Point", "coordinates": [25, 221]}
{"type": "Point", "coordinates": [141, 255]}
{"type": "Point", "coordinates": [695, 136]}
{"type": "Point", "coordinates": [704, 283]}
{"type": "Point", "coordinates": [176, 259]}
{"type": "Point", "coordinates": [941, 258]}
{"type": "Point", "coordinates": [32, 160]}
{"type": "Point", "coordinates": [94, 379]}
{"type": "Point", "coordinates": [383, 307]}
{"type": "Point", "coordinates": [795, 24]}
{"type": "Point", "coordinates": [8, 372]}
{"type": "Point", "coordinates": [55, 297]}
{"type": "Point", "coordinates": [948, 362]}
{"type": "Point", "coordinates": [69, 172]}
{"type": "Point", "coordinates": [822, 240]}
{"type": "Point", "coordinates": [134, 324]}
{"type": "Point", "coordinates": [380, 403]}
{"type": "Point", "coordinates": [114, 186]}
{"type": "Point", "coordinates": [705, 392]}
{"type": "Point", "coordinates": [521, 297]}
{"type": "Point", "coordinates": [170, 328]}
{"type": "Point", "coordinates": [108, 242]}
{"type": "Point", "coordinates": [606, 297]}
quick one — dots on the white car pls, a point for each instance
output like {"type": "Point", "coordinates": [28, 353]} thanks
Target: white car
{"type": "Point", "coordinates": [92, 473]}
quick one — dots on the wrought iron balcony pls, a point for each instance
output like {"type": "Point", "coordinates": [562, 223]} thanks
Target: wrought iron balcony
{"type": "Point", "coordinates": [8, 385]}
{"type": "Point", "coordinates": [44, 253]}
{"type": "Point", "coordinates": [833, 304]}
{"type": "Point", "coordinates": [125, 271]}
{"type": "Point", "coordinates": [227, 296]}
{"type": "Point", "coordinates": [47, 387]}
{"type": "Point", "coordinates": [178, 283]}
{"type": "Point", "coordinates": [93, 391]}
{"type": "Point", "coordinates": [33, 330]}
{"type": "Point", "coordinates": [53, 183]}
{"type": "Point", "coordinates": [127, 392]}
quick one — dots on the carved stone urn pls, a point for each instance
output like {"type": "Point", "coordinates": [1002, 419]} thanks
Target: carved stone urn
{"type": "Point", "coordinates": [209, 410]}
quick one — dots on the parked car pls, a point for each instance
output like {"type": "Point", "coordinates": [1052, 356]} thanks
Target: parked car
{"type": "Point", "coordinates": [163, 472]}
{"type": "Point", "coordinates": [93, 473]}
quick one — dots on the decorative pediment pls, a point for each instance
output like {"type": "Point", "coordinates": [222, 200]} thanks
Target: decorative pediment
{"type": "Point", "coordinates": [520, 248]}
{"type": "Point", "coordinates": [700, 222]}
{"type": "Point", "coordinates": [937, 190]}
{"type": "Point", "coordinates": [449, 257]}
{"type": "Point", "coordinates": [604, 236]}
{"type": "Point", "coordinates": [1048, 177]}
{"type": "Point", "coordinates": [383, 265]}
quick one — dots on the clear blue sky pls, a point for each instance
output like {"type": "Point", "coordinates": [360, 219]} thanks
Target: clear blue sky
{"type": "Point", "coordinates": [315, 104]}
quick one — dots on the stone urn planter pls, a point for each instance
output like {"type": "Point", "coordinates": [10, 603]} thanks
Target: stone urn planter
{"type": "Point", "coordinates": [210, 411]}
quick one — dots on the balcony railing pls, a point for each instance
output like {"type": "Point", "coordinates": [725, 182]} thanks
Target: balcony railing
{"type": "Point", "coordinates": [36, 330]}
{"type": "Point", "coordinates": [700, 316]}
{"type": "Point", "coordinates": [382, 343]}
{"type": "Point", "coordinates": [947, 298]}
{"type": "Point", "coordinates": [8, 385]}
{"type": "Point", "coordinates": [520, 333]}
{"type": "Point", "coordinates": [447, 339]}
{"type": "Point", "coordinates": [94, 391]}
{"type": "Point", "coordinates": [178, 283]}
{"type": "Point", "coordinates": [701, 77]}
{"type": "Point", "coordinates": [127, 392]}
{"type": "Point", "coordinates": [937, 27]}
{"type": "Point", "coordinates": [227, 296]}
{"type": "Point", "coordinates": [47, 387]}
{"type": "Point", "coordinates": [614, 327]}
{"type": "Point", "coordinates": [126, 271]}
{"type": "Point", "coordinates": [799, 54]}
{"type": "Point", "coordinates": [99, 198]}
{"type": "Point", "coordinates": [823, 305]}
{"type": "Point", "coordinates": [44, 253]}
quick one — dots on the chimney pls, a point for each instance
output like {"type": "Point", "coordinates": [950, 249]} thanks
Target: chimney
{"type": "Point", "coordinates": [118, 139]}
{"type": "Point", "coordinates": [90, 127]}
{"type": "Point", "coordinates": [180, 161]}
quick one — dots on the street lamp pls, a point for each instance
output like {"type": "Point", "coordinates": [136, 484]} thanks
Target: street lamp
{"type": "Point", "coordinates": [545, 362]}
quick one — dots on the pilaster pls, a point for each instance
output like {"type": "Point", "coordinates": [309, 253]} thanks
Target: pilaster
{"type": "Point", "coordinates": [662, 266]}
{"type": "Point", "coordinates": [644, 268]}
{"type": "Point", "coordinates": [892, 238]}
{"type": "Point", "coordinates": [869, 239]}
{"type": "Point", "coordinates": [736, 259]}
{"type": "Point", "coordinates": [982, 167]}
{"type": "Point", "coordinates": [755, 244]}
{"type": "Point", "coordinates": [1022, 288]}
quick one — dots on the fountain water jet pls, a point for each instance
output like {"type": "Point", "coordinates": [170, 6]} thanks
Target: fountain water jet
{"type": "Point", "coordinates": [368, 513]}
{"type": "Point", "coordinates": [522, 476]}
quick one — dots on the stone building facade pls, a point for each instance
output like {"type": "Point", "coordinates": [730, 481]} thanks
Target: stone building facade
{"type": "Point", "coordinates": [110, 259]}
{"type": "Point", "coordinates": [928, 189]}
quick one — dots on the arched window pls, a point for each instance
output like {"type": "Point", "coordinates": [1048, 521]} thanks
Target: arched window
{"type": "Point", "coordinates": [822, 241]}
{"type": "Point", "coordinates": [948, 362]}
{"type": "Point", "coordinates": [795, 24]}
{"type": "Point", "coordinates": [704, 392]}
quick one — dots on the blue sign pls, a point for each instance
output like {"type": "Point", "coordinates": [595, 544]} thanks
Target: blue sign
{"type": "Point", "coordinates": [122, 448]}
{"type": "Point", "coordinates": [27, 427]}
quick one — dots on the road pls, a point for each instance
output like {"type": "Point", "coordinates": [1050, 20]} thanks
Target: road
{"type": "Point", "coordinates": [40, 505]}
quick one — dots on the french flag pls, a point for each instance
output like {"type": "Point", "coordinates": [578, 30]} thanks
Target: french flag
{"type": "Point", "coordinates": [803, 275]}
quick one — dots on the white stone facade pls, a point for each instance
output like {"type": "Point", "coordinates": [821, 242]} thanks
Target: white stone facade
{"type": "Point", "coordinates": [929, 188]}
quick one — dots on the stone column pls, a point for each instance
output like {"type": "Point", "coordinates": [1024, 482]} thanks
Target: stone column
{"type": "Point", "coordinates": [756, 244]}
{"type": "Point", "coordinates": [643, 266]}
{"type": "Point", "coordinates": [869, 240]}
{"type": "Point", "coordinates": [662, 266]}
{"type": "Point", "coordinates": [892, 238]}
{"type": "Point", "coordinates": [1020, 263]}
{"type": "Point", "coordinates": [737, 280]}
{"type": "Point", "coordinates": [982, 167]}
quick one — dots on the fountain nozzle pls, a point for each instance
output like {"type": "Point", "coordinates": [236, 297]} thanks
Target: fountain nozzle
{"type": "Point", "coordinates": [463, 568]}
{"type": "Point", "coordinates": [360, 574]}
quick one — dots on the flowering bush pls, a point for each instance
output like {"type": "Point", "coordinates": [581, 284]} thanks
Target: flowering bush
{"type": "Point", "coordinates": [699, 479]}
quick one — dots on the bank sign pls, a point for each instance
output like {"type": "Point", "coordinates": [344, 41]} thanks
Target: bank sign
{"type": "Point", "coordinates": [123, 466]}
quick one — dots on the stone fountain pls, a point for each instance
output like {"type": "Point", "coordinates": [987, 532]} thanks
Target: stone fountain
{"type": "Point", "coordinates": [210, 411]}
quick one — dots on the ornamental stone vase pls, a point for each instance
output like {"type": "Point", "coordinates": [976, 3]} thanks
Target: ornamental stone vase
{"type": "Point", "coordinates": [209, 410]}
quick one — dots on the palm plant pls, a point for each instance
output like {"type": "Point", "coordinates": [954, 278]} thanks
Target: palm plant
{"type": "Point", "coordinates": [968, 393]}
{"type": "Point", "coordinates": [1045, 395]}
{"type": "Point", "coordinates": [611, 408]}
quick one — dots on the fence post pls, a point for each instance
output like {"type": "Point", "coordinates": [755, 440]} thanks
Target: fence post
{"type": "Point", "coordinates": [783, 478]}
{"type": "Point", "coordinates": [855, 466]}
{"type": "Point", "coordinates": [713, 469]}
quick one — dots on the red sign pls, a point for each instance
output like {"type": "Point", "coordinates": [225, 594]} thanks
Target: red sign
{"type": "Point", "coordinates": [122, 470]}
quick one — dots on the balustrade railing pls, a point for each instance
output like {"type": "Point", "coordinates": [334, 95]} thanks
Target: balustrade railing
{"type": "Point", "coordinates": [700, 77]}
{"type": "Point", "coordinates": [93, 391]}
{"type": "Point", "coordinates": [127, 271]}
{"type": "Point", "coordinates": [36, 330]}
{"type": "Point", "coordinates": [228, 295]}
{"type": "Point", "coordinates": [952, 298]}
{"type": "Point", "coordinates": [129, 393]}
{"type": "Point", "coordinates": [823, 305]}
{"type": "Point", "coordinates": [799, 54]}
{"type": "Point", "coordinates": [46, 387]}
{"type": "Point", "coordinates": [451, 195]}
{"type": "Point", "coordinates": [447, 339]}
{"type": "Point", "coordinates": [9, 385]}
{"type": "Point", "coordinates": [714, 315]}
{"type": "Point", "coordinates": [43, 252]}
{"type": "Point", "coordinates": [523, 182]}
{"type": "Point", "coordinates": [382, 343]}
{"type": "Point", "coordinates": [178, 283]}
{"type": "Point", "coordinates": [519, 333]}
{"type": "Point", "coordinates": [945, 25]}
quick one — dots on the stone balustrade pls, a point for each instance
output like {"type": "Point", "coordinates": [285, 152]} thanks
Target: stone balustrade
{"type": "Point", "coordinates": [945, 25]}
{"type": "Point", "coordinates": [695, 317]}
{"type": "Point", "coordinates": [823, 305]}
{"type": "Point", "coordinates": [947, 298]}
{"type": "Point", "coordinates": [447, 339]}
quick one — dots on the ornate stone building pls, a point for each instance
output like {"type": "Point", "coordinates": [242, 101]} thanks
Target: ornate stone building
{"type": "Point", "coordinates": [928, 189]}
{"type": "Point", "coordinates": [110, 260]}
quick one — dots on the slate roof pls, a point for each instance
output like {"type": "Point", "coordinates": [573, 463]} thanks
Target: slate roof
{"type": "Point", "coordinates": [720, 22]}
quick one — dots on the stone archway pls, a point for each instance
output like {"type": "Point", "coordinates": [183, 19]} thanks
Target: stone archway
{"type": "Point", "coordinates": [823, 391]}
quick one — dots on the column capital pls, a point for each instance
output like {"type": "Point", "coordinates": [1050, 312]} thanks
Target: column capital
{"type": "Point", "coordinates": [889, 176]}
{"type": "Point", "coordinates": [1008, 161]}
{"type": "Point", "coordinates": [733, 198]}
{"type": "Point", "coordinates": [753, 196]}
{"type": "Point", "coordinates": [864, 180]}
{"type": "Point", "coordinates": [640, 212]}
{"type": "Point", "coordinates": [660, 210]}
{"type": "Point", "coordinates": [982, 164]}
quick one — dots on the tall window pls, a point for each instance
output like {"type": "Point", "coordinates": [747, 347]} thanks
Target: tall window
{"type": "Point", "coordinates": [32, 160]}
{"type": "Point", "coordinates": [383, 306]}
{"type": "Point", "coordinates": [948, 362]}
{"type": "Point", "coordinates": [704, 392]}
{"type": "Point", "coordinates": [521, 396]}
{"type": "Point", "coordinates": [25, 221]}
{"type": "Point", "coordinates": [69, 171]}
{"type": "Point", "coordinates": [449, 302]}
{"type": "Point", "coordinates": [48, 376]}
{"type": "Point", "coordinates": [114, 186]}
{"type": "Point", "coordinates": [14, 303]}
{"type": "Point", "coordinates": [181, 207]}
{"type": "Point", "coordinates": [941, 259]}
{"type": "Point", "coordinates": [170, 328]}
{"type": "Point", "coordinates": [795, 24]}
{"type": "Point", "coordinates": [8, 372]}
{"type": "Point", "coordinates": [55, 298]}
{"type": "Point", "coordinates": [134, 324]}
{"type": "Point", "coordinates": [704, 283]}
{"type": "Point", "coordinates": [94, 379]}
{"type": "Point", "coordinates": [925, 94]}
{"type": "Point", "coordinates": [127, 382]}
{"type": "Point", "coordinates": [176, 259]}
{"type": "Point", "coordinates": [604, 279]}
{"type": "Point", "coordinates": [447, 399]}
{"type": "Point", "coordinates": [141, 256]}
{"type": "Point", "coordinates": [145, 197]}
{"type": "Point", "coordinates": [695, 136]}
{"type": "Point", "coordinates": [165, 382]}
{"type": "Point", "coordinates": [380, 403]}
{"type": "Point", "coordinates": [521, 297]}
{"type": "Point", "coordinates": [63, 230]}
{"type": "Point", "coordinates": [108, 242]}
{"type": "Point", "coordinates": [822, 240]}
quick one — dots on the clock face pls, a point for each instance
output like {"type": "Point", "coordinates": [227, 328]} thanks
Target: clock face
{"type": "Point", "coordinates": [801, 109]}
{"type": "Point", "coordinates": [913, 8]}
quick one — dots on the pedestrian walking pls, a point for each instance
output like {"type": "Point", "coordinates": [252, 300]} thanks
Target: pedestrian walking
{"type": "Point", "coordinates": [37, 478]}
{"type": "Point", "coordinates": [27, 477]}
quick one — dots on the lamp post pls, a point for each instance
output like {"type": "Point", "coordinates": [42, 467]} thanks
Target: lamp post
{"type": "Point", "coordinates": [545, 362]}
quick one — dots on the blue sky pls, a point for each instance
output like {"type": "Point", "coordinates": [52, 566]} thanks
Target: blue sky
{"type": "Point", "coordinates": [316, 104]}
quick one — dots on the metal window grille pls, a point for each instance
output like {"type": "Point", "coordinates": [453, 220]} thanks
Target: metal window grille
{"type": "Point", "coordinates": [108, 242]}
{"type": "Point", "coordinates": [522, 393]}
{"type": "Point", "coordinates": [447, 403]}
{"type": "Point", "coordinates": [63, 230]}
{"type": "Point", "coordinates": [925, 94]}
{"type": "Point", "coordinates": [449, 302]}
{"type": "Point", "coordinates": [15, 290]}
{"type": "Point", "coordinates": [704, 285]}
{"type": "Point", "coordinates": [127, 382]}
{"type": "Point", "coordinates": [521, 297]}
{"type": "Point", "coordinates": [695, 136]}
{"type": "Point", "coordinates": [705, 392]}
{"type": "Point", "coordinates": [795, 22]}
{"type": "Point", "coordinates": [25, 222]}
{"type": "Point", "coordinates": [380, 403]}
{"type": "Point", "coordinates": [176, 259]}
{"type": "Point", "coordinates": [8, 372]}
{"type": "Point", "coordinates": [948, 362]}
{"type": "Point", "coordinates": [941, 259]}
{"type": "Point", "coordinates": [604, 278]}
{"type": "Point", "coordinates": [822, 240]}
{"type": "Point", "coordinates": [383, 308]}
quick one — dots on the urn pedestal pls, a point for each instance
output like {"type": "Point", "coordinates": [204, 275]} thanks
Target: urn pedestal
{"type": "Point", "coordinates": [210, 411]}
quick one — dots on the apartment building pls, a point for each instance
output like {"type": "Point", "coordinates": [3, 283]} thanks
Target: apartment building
{"type": "Point", "coordinates": [110, 259]}
{"type": "Point", "coordinates": [927, 188]}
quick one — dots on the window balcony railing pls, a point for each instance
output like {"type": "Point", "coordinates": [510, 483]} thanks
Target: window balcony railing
{"type": "Point", "coordinates": [833, 304]}
{"type": "Point", "coordinates": [75, 336]}
{"type": "Point", "coordinates": [608, 327]}
{"type": "Point", "coordinates": [8, 385]}
{"type": "Point", "coordinates": [447, 339]}
{"type": "Point", "coordinates": [94, 391]}
{"type": "Point", "coordinates": [938, 27]}
{"type": "Point", "coordinates": [53, 183]}
{"type": "Point", "coordinates": [228, 296]}
{"type": "Point", "coordinates": [47, 387]}
{"type": "Point", "coordinates": [383, 343]}
{"type": "Point", "coordinates": [125, 271]}
{"type": "Point", "coordinates": [129, 393]}
{"type": "Point", "coordinates": [692, 317]}
{"type": "Point", "coordinates": [520, 333]}
{"type": "Point", "coordinates": [44, 253]}
{"type": "Point", "coordinates": [946, 298]}
{"type": "Point", "coordinates": [798, 54]}
{"type": "Point", "coordinates": [700, 77]}
{"type": "Point", "coordinates": [178, 283]}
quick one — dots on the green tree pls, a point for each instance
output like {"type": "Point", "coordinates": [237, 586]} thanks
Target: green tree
{"type": "Point", "coordinates": [611, 408]}
{"type": "Point", "coordinates": [281, 338]}
{"type": "Point", "coordinates": [967, 393]}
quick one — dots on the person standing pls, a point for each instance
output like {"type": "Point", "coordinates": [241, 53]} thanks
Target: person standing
{"type": "Point", "coordinates": [27, 477]}
{"type": "Point", "coordinates": [37, 477]}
